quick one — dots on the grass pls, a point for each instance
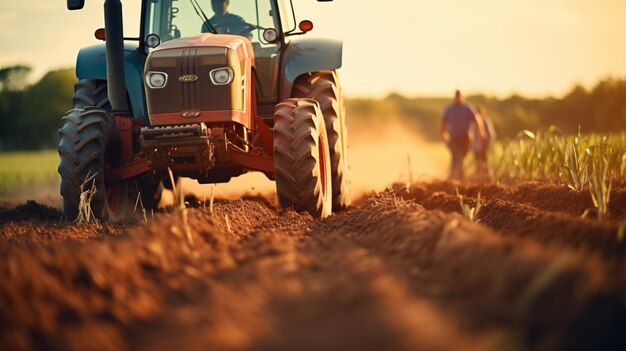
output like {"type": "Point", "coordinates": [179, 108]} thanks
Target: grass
{"type": "Point", "coordinates": [28, 172]}
{"type": "Point", "coordinates": [600, 179]}
{"type": "Point", "coordinates": [87, 192]}
{"type": "Point", "coordinates": [470, 212]}
{"type": "Point", "coordinates": [575, 172]}
{"type": "Point", "coordinates": [180, 206]}
{"type": "Point", "coordinates": [139, 205]}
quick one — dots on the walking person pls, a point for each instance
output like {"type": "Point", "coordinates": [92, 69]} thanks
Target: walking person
{"type": "Point", "coordinates": [455, 126]}
{"type": "Point", "coordinates": [481, 146]}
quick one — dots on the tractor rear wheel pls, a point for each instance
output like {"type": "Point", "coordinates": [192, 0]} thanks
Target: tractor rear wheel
{"type": "Point", "coordinates": [325, 89]}
{"type": "Point", "coordinates": [86, 143]}
{"type": "Point", "coordinates": [89, 92]}
{"type": "Point", "coordinates": [301, 158]}
{"type": "Point", "coordinates": [86, 148]}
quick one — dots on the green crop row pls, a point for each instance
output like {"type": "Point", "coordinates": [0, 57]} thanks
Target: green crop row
{"type": "Point", "coordinates": [579, 161]}
{"type": "Point", "coordinates": [556, 157]}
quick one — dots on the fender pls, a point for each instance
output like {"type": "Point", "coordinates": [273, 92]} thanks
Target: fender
{"type": "Point", "coordinates": [91, 64]}
{"type": "Point", "coordinates": [304, 55]}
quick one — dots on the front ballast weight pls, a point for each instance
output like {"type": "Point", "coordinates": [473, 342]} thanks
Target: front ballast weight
{"type": "Point", "coordinates": [188, 147]}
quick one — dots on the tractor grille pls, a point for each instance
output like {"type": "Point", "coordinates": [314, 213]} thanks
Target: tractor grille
{"type": "Point", "coordinates": [189, 89]}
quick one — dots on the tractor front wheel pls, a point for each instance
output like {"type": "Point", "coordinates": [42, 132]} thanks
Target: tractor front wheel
{"type": "Point", "coordinates": [325, 89]}
{"type": "Point", "coordinates": [301, 158]}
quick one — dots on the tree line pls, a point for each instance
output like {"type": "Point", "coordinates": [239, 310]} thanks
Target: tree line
{"type": "Point", "coordinates": [601, 109]}
{"type": "Point", "coordinates": [30, 114]}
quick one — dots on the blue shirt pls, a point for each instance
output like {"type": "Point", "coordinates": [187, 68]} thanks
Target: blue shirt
{"type": "Point", "coordinates": [458, 118]}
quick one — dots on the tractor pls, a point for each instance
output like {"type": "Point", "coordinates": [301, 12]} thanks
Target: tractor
{"type": "Point", "coordinates": [210, 90]}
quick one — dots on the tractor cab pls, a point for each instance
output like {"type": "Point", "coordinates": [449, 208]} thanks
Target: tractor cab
{"type": "Point", "coordinates": [257, 20]}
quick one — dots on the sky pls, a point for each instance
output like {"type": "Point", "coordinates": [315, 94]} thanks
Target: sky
{"type": "Point", "coordinates": [414, 47]}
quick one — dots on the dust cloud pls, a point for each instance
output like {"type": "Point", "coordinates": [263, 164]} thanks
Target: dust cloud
{"type": "Point", "coordinates": [379, 154]}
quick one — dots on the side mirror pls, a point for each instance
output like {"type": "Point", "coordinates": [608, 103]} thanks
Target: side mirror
{"type": "Point", "coordinates": [75, 4]}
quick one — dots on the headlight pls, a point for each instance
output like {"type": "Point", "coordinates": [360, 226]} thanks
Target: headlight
{"type": "Point", "coordinates": [153, 40]}
{"type": "Point", "coordinates": [221, 76]}
{"type": "Point", "coordinates": [156, 80]}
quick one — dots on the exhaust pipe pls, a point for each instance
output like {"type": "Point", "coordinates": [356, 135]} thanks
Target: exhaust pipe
{"type": "Point", "coordinates": [114, 33]}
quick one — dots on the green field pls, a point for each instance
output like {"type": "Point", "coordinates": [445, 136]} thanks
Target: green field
{"type": "Point", "coordinates": [28, 173]}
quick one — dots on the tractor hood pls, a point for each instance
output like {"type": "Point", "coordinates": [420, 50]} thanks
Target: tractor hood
{"type": "Point", "coordinates": [204, 78]}
{"type": "Point", "coordinates": [206, 39]}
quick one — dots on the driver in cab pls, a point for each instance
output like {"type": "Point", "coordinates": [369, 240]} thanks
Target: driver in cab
{"type": "Point", "coordinates": [223, 21]}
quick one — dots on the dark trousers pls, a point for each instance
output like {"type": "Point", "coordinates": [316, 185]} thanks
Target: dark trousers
{"type": "Point", "coordinates": [458, 145]}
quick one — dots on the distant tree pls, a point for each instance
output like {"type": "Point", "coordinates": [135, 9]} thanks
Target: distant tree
{"type": "Point", "coordinates": [575, 109]}
{"type": "Point", "coordinates": [609, 105]}
{"type": "Point", "coordinates": [13, 81]}
{"type": "Point", "coordinates": [43, 105]}
{"type": "Point", "coordinates": [14, 78]}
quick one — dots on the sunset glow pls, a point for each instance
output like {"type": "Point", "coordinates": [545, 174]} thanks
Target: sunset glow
{"type": "Point", "coordinates": [414, 47]}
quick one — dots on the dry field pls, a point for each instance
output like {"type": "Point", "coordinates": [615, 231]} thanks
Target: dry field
{"type": "Point", "coordinates": [400, 270]}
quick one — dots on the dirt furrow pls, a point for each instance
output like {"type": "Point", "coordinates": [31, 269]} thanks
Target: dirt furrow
{"type": "Point", "coordinates": [54, 296]}
{"type": "Point", "coordinates": [386, 275]}
{"type": "Point", "coordinates": [520, 220]}
{"type": "Point", "coordinates": [542, 196]}
{"type": "Point", "coordinates": [553, 297]}
{"type": "Point", "coordinates": [222, 280]}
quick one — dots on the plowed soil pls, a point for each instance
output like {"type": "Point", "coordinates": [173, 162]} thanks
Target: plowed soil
{"type": "Point", "coordinates": [401, 270]}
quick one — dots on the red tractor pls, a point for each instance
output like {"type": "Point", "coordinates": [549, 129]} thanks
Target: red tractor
{"type": "Point", "coordinates": [206, 97]}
